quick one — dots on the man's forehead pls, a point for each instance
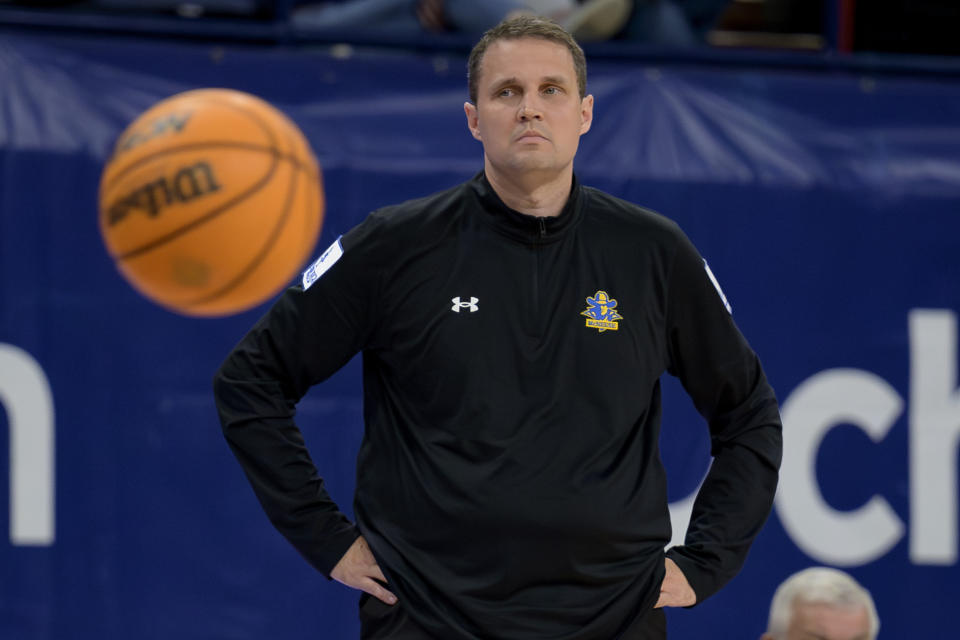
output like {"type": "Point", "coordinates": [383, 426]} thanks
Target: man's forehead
{"type": "Point", "coordinates": [538, 57]}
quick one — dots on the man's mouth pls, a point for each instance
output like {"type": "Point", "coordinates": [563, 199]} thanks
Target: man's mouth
{"type": "Point", "coordinates": [531, 135]}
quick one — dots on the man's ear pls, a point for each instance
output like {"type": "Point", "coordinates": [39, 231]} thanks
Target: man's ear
{"type": "Point", "coordinates": [586, 113]}
{"type": "Point", "coordinates": [473, 119]}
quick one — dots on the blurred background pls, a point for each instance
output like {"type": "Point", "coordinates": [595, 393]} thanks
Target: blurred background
{"type": "Point", "coordinates": [811, 150]}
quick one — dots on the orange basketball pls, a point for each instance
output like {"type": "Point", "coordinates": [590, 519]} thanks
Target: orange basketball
{"type": "Point", "coordinates": [211, 202]}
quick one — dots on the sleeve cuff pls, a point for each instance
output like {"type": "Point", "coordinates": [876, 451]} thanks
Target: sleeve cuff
{"type": "Point", "coordinates": [333, 550]}
{"type": "Point", "coordinates": [698, 578]}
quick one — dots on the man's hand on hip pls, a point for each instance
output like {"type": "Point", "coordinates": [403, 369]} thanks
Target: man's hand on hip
{"type": "Point", "coordinates": [675, 590]}
{"type": "Point", "coordinates": [359, 569]}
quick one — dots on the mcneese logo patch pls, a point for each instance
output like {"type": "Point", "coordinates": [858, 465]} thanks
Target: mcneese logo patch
{"type": "Point", "coordinates": [601, 312]}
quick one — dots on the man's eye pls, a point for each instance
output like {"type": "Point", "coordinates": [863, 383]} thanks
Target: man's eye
{"type": "Point", "coordinates": [505, 93]}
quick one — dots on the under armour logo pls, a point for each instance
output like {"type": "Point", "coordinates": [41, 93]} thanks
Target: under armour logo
{"type": "Point", "coordinates": [472, 305]}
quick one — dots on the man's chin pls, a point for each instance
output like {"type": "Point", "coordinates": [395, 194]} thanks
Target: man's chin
{"type": "Point", "coordinates": [529, 164]}
{"type": "Point", "coordinates": [532, 162]}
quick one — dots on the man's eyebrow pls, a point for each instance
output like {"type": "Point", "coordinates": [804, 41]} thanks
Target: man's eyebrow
{"type": "Point", "coordinates": [544, 80]}
{"type": "Point", "coordinates": [504, 82]}
{"type": "Point", "coordinates": [554, 80]}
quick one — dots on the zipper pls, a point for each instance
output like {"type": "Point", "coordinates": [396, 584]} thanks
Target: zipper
{"type": "Point", "coordinates": [535, 316]}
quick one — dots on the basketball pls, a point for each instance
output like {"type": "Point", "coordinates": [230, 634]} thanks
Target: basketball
{"type": "Point", "coordinates": [211, 202]}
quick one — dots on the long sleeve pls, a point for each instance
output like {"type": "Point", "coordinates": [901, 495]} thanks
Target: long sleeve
{"type": "Point", "coordinates": [726, 382]}
{"type": "Point", "coordinates": [303, 339]}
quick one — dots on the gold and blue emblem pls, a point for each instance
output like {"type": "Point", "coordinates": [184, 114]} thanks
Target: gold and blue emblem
{"type": "Point", "coordinates": [601, 312]}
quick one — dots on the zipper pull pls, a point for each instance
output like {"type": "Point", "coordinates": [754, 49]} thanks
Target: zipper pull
{"type": "Point", "coordinates": [543, 227]}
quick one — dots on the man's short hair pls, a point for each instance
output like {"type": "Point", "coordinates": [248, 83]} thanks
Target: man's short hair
{"type": "Point", "coordinates": [525, 26]}
{"type": "Point", "coordinates": [818, 585]}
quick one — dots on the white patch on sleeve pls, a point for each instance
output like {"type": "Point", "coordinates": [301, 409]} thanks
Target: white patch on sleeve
{"type": "Point", "coordinates": [321, 264]}
{"type": "Point", "coordinates": [716, 285]}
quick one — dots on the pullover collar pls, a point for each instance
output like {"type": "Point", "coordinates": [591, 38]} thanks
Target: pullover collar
{"type": "Point", "coordinates": [522, 226]}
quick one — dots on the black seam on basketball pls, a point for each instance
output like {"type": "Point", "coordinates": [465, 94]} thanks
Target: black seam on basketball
{"type": "Point", "coordinates": [261, 254]}
{"type": "Point", "coordinates": [203, 145]}
{"type": "Point", "coordinates": [213, 99]}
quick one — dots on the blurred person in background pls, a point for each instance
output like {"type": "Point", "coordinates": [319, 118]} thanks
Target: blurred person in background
{"type": "Point", "coordinates": [822, 603]}
{"type": "Point", "coordinates": [587, 21]}
{"type": "Point", "coordinates": [671, 23]}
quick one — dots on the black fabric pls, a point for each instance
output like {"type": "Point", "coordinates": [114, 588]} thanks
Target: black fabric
{"type": "Point", "coordinates": [509, 480]}
{"type": "Point", "coordinates": [381, 621]}
{"type": "Point", "coordinates": [650, 626]}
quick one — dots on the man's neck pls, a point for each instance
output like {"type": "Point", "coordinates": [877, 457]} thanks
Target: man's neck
{"type": "Point", "coordinates": [530, 193]}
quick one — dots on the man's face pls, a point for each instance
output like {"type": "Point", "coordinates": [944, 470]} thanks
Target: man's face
{"type": "Point", "coordinates": [828, 622]}
{"type": "Point", "coordinates": [529, 114]}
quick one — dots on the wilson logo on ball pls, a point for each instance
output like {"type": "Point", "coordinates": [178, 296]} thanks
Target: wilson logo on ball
{"type": "Point", "coordinates": [185, 185]}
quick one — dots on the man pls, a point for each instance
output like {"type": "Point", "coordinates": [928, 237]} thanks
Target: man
{"type": "Point", "coordinates": [513, 329]}
{"type": "Point", "coordinates": [822, 603]}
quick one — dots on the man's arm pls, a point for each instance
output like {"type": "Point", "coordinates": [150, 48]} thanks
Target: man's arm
{"type": "Point", "coordinates": [304, 338]}
{"type": "Point", "coordinates": [727, 384]}
{"type": "Point", "coordinates": [256, 391]}
{"type": "Point", "coordinates": [257, 419]}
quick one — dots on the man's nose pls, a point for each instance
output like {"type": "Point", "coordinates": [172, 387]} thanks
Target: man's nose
{"type": "Point", "coordinates": [529, 111]}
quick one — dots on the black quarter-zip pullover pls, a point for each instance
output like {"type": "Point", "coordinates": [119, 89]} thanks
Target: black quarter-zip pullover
{"type": "Point", "coordinates": [509, 481]}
